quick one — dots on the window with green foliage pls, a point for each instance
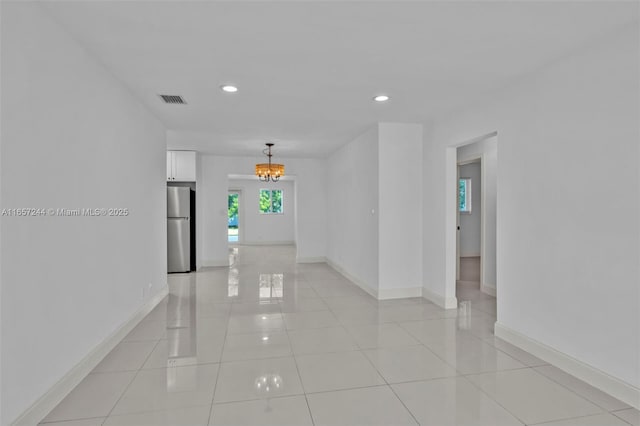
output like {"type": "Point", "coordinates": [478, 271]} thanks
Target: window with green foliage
{"type": "Point", "coordinates": [271, 201]}
{"type": "Point", "coordinates": [464, 195]}
{"type": "Point", "coordinates": [232, 211]}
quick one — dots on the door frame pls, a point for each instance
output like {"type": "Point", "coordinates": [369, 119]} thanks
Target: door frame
{"type": "Point", "coordinates": [477, 159]}
{"type": "Point", "coordinates": [451, 217]}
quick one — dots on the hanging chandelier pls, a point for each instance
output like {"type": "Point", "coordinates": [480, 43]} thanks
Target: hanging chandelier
{"type": "Point", "coordinates": [269, 171]}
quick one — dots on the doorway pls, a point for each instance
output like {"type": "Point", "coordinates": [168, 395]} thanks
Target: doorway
{"type": "Point", "coordinates": [233, 217]}
{"type": "Point", "coordinates": [472, 197]}
{"type": "Point", "coordinates": [469, 222]}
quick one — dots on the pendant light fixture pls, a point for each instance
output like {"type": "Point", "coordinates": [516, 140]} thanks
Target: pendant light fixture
{"type": "Point", "coordinates": [269, 171]}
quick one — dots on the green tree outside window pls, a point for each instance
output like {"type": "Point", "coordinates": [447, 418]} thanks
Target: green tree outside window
{"type": "Point", "coordinates": [271, 201]}
{"type": "Point", "coordinates": [464, 195]}
{"type": "Point", "coordinates": [233, 205]}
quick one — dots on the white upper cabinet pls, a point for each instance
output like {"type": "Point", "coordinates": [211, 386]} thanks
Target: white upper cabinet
{"type": "Point", "coordinates": [169, 166]}
{"type": "Point", "coordinates": [181, 166]}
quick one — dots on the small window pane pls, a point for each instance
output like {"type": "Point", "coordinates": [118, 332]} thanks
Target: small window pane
{"type": "Point", "coordinates": [276, 201]}
{"type": "Point", "coordinates": [265, 201]}
{"type": "Point", "coordinates": [464, 195]}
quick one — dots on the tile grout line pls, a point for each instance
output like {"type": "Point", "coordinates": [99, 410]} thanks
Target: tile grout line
{"type": "Point", "coordinates": [570, 418]}
{"type": "Point", "coordinates": [380, 385]}
{"type": "Point", "coordinates": [403, 404]}
{"type": "Point", "coordinates": [533, 369]}
{"type": "Point", "coordinates": [129, 384]}
{"type": "Point", "coordinates": [149, 356]}
{"type": "Point", "coordinates": [389, 386]}
{"type": "Point", "coordinates": [464, 377]}
{"type": "Point", "coordinates": [71, 420]}
{"type": "Point", "coordinates": [491, 397]}
{"type": "Point", "coordinates": [613, 413]}
{"type": "Point", "coordinates": [575, 392]}
{"type": "Point", "coordinates": [111, 372]}
{"type": "Point", "coordinates": [215, 386]}
{"type": "Point", "coordinates": [459, 373]}
{"type": "Point", "coordinates": [295, 361]}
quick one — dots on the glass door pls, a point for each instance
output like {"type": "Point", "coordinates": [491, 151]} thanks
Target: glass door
{"type": "Point", "coordinates": [233, 225]}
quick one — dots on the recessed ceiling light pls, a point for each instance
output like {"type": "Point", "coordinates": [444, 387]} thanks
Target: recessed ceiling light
{"type": "Point", "coordinates": [381, 98]}
{"type": "Point", "coordinates": [229, 89]}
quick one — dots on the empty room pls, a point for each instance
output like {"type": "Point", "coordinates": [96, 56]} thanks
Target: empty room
{"type": "Point", "coordinates": [319, 213]}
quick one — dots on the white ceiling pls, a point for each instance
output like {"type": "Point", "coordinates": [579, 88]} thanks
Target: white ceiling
{"type": "Point", "coordinates": [307, 71]}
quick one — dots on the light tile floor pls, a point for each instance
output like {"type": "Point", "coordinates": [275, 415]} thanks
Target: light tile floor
{"type": "Point", "coordinates": [271, 342]}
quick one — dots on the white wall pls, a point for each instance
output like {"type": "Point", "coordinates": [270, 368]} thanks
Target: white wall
{"type": "Point", "coordinates": [309, 197]}
{"type": "Point", "coordinates": [72, 137]}
{"type": "Point", "coordinates": [400, 210]}
{"type": "Point", "coordinates": [470, 222]}
{"type": "Point", "coordinates": [374, 224]}
{"type": "Point", "coordinates": [352, 217]}
{"type": "Point", "coordinates": [567, 266]}
{"type": "Point", "coordinates": [259, 228]}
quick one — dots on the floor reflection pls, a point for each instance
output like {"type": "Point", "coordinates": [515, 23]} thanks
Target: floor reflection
{"type": "Point", "coordinates": [182, 344]}
{"type": "Point", "coordinates": [268, 382]}
{"type": "Point", "coordinates": [464, 315]}
{"type": "Point", "coordinates": [271, 287]}
{"type": "Point", "coordinates": [233, 282]}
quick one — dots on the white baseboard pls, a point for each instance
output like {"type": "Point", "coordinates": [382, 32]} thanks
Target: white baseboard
{"type": "Point", "coordinates": [470, 255]}
{"type": "Point", "coordinates": [47, 402]}
{"type": "Point", "coordinates": [488, 289]}
{"type": "Point", "coordinates": [443, 302]}
{"type": "Point", "coordinates": [319, 259]}
{"type": "Point", "coordinates": [352, 278]}
{"type": "Point", "coordinates": [267, 243]}
{"type": "Point", "coordinates": [399, 293]}
{"type": "Point", "coordinates": [617, 388]}
{"type": "Point", "coordinates": [215, 263]}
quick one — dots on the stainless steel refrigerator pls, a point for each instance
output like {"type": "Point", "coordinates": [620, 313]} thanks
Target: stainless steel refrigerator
{"type": "Point", "coordinates": [180, 227]}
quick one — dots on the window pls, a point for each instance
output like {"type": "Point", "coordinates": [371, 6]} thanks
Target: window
{"type": "Point", "coordinates": [232, 213]}
{"type": "Point", "coordinates": [271, 201]}
{"type": "Point", "coordinates": [464, 195]}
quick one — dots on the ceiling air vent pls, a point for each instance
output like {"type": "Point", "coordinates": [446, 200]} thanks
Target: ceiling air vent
{"type": "Point", "coordinates": [173, 99]}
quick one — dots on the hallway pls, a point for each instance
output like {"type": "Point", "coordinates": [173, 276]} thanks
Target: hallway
{"type": "Point", "coordinates": [269, 341]}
